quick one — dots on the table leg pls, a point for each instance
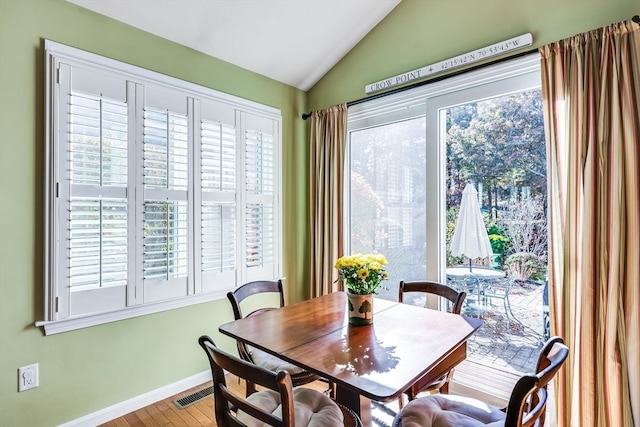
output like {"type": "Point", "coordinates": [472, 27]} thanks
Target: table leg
{"type": "Point", "coordinates": [357, 403]}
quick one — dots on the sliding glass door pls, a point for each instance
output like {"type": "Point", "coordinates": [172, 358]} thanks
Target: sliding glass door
{"type": "Point", "coordinates": [410, 156]}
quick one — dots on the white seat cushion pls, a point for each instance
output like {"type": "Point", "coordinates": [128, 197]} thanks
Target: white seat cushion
{"type": "Point", "coordinates": [445, 410]}
{"type": "Point", "coordinates": [273, 363]}
{"type": "Point", "coordinates": [312, 408]}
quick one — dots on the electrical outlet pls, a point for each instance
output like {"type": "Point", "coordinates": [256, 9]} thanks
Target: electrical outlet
{"type": "Point", "coordinates": [28, 377]}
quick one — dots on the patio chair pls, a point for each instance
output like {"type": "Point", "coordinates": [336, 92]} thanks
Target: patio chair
{"type": "Point", "coordinates": [472, 287]}
{"type": "Point", "coordinates": [277, 404]}
{"type": "Point", "coordinates": [253, 355]}
{"type": "Point", "coordinates": [453, 298]}
{"type": "Point", "coordinates": [499, 289]}
{"type": "Point", "coordinates": [526, 408]}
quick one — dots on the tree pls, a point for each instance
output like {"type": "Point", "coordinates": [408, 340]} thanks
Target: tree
{"type": "Point", "coordinates": [498, 143]}
{"type": "Point", "coordinates": [526, 223]}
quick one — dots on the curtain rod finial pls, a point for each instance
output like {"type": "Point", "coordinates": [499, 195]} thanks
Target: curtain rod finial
{"type": "Point", "coordinates": [305, 116]}
{"type": "Point", "coordinates": [636, 19]}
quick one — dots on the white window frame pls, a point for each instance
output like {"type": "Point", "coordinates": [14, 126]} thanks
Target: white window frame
{"type": "Point", "coordinates": [196, 103]}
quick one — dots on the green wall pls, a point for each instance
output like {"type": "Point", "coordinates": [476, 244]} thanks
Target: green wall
{"type": "Point", "coordinates": [422, 32]}
{"type": "Point", "coordinates": [87, 370]}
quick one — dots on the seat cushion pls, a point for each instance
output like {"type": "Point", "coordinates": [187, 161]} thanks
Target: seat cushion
{"type": "Point", "coordinates": [312, 408]}
{"type": "Point", "coordinates": [445, 410]}
{"type": "Point", "coordinates": [273, 363]}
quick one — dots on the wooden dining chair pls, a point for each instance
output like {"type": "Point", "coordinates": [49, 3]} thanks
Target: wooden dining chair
{"type": "Point", "coordinates": [526, 408]}
{"type": "Point", "coordinates": [253, 355]}
{"type": "Point", "coordinates": [278, 403]}
{"type": "Point", "coordinates": [455, 299]}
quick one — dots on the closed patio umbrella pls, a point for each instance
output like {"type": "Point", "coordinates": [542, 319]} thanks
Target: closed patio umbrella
{"type": "Point", "coordinates": [470, 237]}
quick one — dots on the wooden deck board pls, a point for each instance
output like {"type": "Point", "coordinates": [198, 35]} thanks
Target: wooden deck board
{"type": "Point", "coordinates": [494, 381]}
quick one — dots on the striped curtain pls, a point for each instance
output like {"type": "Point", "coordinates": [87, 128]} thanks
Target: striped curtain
{"type": "Point", "coordinates": [328, 146]}
{"type": "Point", "coordinates": [591, 90]}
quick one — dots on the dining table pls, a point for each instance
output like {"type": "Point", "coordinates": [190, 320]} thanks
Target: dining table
{"type": "Point", "coordinates": [376, 362]}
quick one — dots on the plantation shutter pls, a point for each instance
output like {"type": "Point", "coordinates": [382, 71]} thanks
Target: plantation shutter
{"type": "Point", "coordinates": [93, 258]}
{"type": "Point", "coordinates": [218, 195]}
{"type": "Point", "coordinates": [165, 214]}
{"type": "Point", "coordinates": [261, 221]}
{"type": "Point", "coordinates": [148, 204]}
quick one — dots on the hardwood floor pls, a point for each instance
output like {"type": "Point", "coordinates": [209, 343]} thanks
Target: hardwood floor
{"type": "Point", "coordinates": [165, 413]}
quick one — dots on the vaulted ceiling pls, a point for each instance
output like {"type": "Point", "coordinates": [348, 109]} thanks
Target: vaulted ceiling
{"type": "Point", "coordinates": [292, 41]}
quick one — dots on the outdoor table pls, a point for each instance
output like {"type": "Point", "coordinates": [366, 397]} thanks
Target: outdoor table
{"type": "Point", "coordinates": [473, 282]}
{"type": "Point", "coordinates": [372, 362]}
{"type": "Point", "coordinates": [477, 272]}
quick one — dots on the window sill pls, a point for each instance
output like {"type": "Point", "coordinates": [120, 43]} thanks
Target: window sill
{"type": "Point", "coordinates": [58, 326]}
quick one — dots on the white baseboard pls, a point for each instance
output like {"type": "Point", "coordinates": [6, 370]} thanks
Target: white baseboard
{"type": "Point", "coordinates": [130, 405]}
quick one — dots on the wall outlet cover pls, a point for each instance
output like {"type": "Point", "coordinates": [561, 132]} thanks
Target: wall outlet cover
{"type": "Point", "coordinates": [28, 377]}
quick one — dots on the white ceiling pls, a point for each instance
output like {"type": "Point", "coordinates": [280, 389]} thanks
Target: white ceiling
{"type": "Point", "coordinates": [293, 41]}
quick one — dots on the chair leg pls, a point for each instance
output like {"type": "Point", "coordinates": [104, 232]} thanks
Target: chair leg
{"type": "Point", "coordinates": [445, 387]}
{"type": "Point", "coordinates": [506, 310]}
{"type": "Point", "coordinates": [332, 390]}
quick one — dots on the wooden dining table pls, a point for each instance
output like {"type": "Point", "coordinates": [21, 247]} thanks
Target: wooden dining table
{"type": "Point", "coordinates": [373, 362]}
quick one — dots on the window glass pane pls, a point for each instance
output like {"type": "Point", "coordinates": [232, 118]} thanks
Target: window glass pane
{"type": "Point", "coordinates": [498, 146]}
{"type": "Point", "coordinates": [386, 196]}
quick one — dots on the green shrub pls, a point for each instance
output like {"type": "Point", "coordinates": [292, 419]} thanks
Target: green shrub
{"type": "Point", "coordinates": [499, 237]}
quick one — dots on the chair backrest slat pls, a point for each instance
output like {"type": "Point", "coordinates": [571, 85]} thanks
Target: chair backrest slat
{"type": "Point", "coordinates": [252, 288]}
{"type": "Point", "coordinates": [456, 298]}
{"type": "Point", "coordinates": [225, 398]}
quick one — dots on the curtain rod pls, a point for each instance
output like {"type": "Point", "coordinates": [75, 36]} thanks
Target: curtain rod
{"type": "Point", "coordinates": [305, 116]}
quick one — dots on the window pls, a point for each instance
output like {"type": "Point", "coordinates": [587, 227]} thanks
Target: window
{"type": "Point", "coordinates": [404, 177]}
{"type": "Point", "coordinates": [160, 193]}
{"type": "Point", "coordinates": [397, 165]}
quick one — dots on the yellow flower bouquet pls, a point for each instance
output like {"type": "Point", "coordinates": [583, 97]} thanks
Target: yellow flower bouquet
{"type": "Point", "coordinates": [362, 274]}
